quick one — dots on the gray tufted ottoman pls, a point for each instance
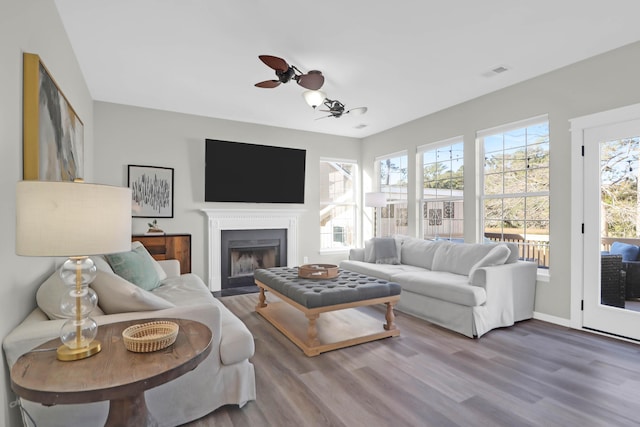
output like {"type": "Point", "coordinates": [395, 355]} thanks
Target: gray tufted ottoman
{"type": "Point", "coordinates": [297, 314]}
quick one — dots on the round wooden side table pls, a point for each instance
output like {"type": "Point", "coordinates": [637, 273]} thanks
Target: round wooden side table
{"type": "Point", "coordinates": [113, 374]}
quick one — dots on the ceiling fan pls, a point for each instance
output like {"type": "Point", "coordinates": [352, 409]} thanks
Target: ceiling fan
{"type": "Point", "coordinates": [337, 109]}
{"type": "Point", "coordinates": [312, 80]}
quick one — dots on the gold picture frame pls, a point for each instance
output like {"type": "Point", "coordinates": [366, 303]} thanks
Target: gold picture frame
{"type": "Point", "coordinates": [53, 134]}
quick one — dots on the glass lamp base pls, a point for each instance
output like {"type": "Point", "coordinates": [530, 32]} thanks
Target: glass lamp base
{"type": "Point", "coordinates": [67, 354]}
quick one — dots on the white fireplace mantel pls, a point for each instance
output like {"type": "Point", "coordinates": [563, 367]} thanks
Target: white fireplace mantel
{"type": "Point", "coordinates": [248, 219]}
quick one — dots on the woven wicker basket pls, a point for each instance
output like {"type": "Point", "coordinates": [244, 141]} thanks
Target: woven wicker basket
{"type": "Point", "coordinates": [148, 337]}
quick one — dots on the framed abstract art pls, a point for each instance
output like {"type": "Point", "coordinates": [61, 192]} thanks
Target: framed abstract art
{"type": "Point", "coordinates": [53, 134]}
{"type": "Point", "coordinates": [151, 191]}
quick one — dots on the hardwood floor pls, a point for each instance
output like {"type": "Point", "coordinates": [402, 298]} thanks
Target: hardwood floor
{"type": "Point", "coordinates": [532, 374]}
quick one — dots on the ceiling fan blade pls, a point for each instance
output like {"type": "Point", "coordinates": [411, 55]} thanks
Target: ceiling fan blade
{"type": "Point", "coordinates": [274, 62]}
{"type": "Point", "coordinates": [357, 111]}
{"type": "Point", "coordinates": [313, 80]}
{"type": "Point", "coordinates": [268, 84]}
{"type": "Point", "coordinates": [324, 117]}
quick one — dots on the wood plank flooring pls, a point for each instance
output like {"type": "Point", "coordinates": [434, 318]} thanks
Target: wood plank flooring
{"type": "Point", "coordinates": [532, 374]}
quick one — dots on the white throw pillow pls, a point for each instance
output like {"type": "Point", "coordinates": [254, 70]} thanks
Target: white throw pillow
{"type": "Point", "coordinates": [496, 256]}
{"type": "Point", "coordinates": [116, 295]}
{"type": "Point", "coordinates": [49, 294]}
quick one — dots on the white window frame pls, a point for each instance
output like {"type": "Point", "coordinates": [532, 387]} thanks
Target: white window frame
{"type": "Point", "coordinates": [378, 186]}
{"type": "Point", "coordinates": [543, 273]}
{"type": "Point", "coordinates": [354, 204]}
{"type": "Point", "coordinates": [420, 177]}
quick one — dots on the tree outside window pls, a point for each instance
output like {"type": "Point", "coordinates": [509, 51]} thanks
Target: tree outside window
{"type": "Point", "coordinates": [515, 193]}
{"type": "Point", "coordinates": [394, 218]}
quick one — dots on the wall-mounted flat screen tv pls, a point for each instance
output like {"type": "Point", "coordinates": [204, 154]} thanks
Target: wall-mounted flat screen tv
{"type": "Point", "coordinates": [241, 172]}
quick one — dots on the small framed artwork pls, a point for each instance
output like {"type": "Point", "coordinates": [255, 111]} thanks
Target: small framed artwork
{"type": "Point", "coordinates": [151, 191]}
{"type": "Point", "coordinates": [53, 134]}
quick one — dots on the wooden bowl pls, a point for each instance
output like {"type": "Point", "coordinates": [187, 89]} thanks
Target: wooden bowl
{"type": "Point", "coordinates": [151, 336]}
{"type": "Point", "coordinates": [318, 271]}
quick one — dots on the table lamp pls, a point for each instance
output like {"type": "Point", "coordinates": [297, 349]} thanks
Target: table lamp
{"type": "Point", "coordinates": [375, 200]}
{"type": "Point", "coordinates": [75, 220]}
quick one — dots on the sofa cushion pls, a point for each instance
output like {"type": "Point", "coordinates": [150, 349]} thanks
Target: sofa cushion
{"type": "Point", "coordinates": [628, 252]}
{"type": "Point", "coordinates": [187, 289]}
{"type": "Point", "coordinates": [419, 252]}
{"type": "Point", "coordinates": [441, 285]}
{"type": "Point", "coordinates": [116, 295]}
{"type": "Point", "coordinates": [382, 250]}
{"type": "Point", "coordinates": [383, 271]}
{"type": "Point", "coordinates": [135, 266]}
{"type": "Point", "coordinates": [49, 294]}
{"type": "Point", "coordinates": [498, 255]}
{"type": "Point", "coordinates": [459, 258]}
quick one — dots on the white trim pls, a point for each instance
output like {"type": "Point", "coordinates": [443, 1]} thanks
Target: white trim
{"type": "Point", "coordinates": [512, 126]}
{"type": "Point", "coordinates": [337, 160]}
{"type": "Point", "coordinates": [442, 143]}
{"type": "Point", "coordinates": [560, 321]}
{"type": "Point", "coordinates": [578, 126]}
{"type": "Point", "coordinates": [552, 319]}
{"type": "Point", "coordinates": [247, 219]}
{"type": "Point", "coordinates": [391, 156]}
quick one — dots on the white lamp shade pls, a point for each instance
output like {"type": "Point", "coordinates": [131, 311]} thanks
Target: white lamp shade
{"type": "Point", "coordinates": [375, 200]}
{"type": "Point", "coordinates": [314, 97]}
{"type": "Point", "coordinates": [71, 219]}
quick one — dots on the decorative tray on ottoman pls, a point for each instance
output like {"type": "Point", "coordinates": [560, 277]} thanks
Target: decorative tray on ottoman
{"type": "Point", "coordinates": [318, 271]}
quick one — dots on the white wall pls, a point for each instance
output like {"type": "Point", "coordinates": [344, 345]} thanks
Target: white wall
{"type": "Point", "coordinates": [28, 26]}
{"type": "Point", "coordinates": [130, 135]}
{"type": "Point", "coordinates": [600, 83]}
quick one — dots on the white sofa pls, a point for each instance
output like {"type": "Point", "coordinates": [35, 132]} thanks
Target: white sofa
{"type": "Point", "coordinates": [225, 377]}
{"type": "Point", "coordinates": [468, 288]}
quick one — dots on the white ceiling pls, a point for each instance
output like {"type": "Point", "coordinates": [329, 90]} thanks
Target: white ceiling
{"type": "Point", "coordinates": [402, 59]}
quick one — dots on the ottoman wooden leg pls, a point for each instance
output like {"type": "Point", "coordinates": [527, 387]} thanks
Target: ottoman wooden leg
{"type": "Point", "coordinates": [390, 317]}
{"type": "Point", "coordinates": [262, 299]}
{"type": "Point", "coordinates": [312, 331]}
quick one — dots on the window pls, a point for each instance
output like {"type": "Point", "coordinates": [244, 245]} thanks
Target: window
{"type": "Point", "coordinates": [392, 171]}
{"type": "Point", "coordinates": [337, 204]}
{"type": "Point", "coordinates": [442, 190]}
{"type": "Point", "coordinates": [515, 188]}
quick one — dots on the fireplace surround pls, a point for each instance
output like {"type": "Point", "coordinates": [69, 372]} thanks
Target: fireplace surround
{"type": "Point", "coordinates": [248, 219]}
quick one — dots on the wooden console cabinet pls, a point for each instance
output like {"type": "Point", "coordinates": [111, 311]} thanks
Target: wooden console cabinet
{"type": "Point", "coordinates": [168, 246]}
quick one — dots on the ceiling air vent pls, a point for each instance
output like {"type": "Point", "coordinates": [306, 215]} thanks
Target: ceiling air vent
{"type": "Point", "coordinates": [361, 126]}
{"type": "Point", "coordinates": [495, 71]}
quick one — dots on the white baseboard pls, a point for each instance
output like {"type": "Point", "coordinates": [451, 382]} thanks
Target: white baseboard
{"type": "Point", "coordinates": [552, 319]}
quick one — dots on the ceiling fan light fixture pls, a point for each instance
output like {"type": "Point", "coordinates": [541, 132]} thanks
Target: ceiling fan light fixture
{"type": "Point", "coordinates": [314, 97]}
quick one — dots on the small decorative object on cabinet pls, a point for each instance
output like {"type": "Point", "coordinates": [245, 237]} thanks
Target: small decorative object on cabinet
{"type": "Point", "coordinates": [168, 246]}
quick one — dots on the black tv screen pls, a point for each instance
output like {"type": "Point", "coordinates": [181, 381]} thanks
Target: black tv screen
{"type": "Point", "coordinates": [240, 172]}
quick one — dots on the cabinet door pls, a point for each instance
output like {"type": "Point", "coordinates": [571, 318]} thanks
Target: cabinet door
{"type": "Point", "coordinates": [179, 247]}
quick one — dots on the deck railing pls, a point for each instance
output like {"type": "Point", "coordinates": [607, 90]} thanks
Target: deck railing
{"type": "Point", "coordinates": [606, 242]}
{"type": "Point", "coordinates": [528, 249]}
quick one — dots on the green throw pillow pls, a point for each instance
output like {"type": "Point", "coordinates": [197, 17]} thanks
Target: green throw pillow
{"type": "Point", "coordinates": [135, 266]}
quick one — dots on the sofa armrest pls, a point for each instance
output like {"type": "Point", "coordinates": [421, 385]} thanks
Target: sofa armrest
{"type": "Point", "coordinates": [356, 254]}
{"type": "Point", "coordinates": [516, 281]}
{"type": "Point", "coordinates": [171, 267]}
